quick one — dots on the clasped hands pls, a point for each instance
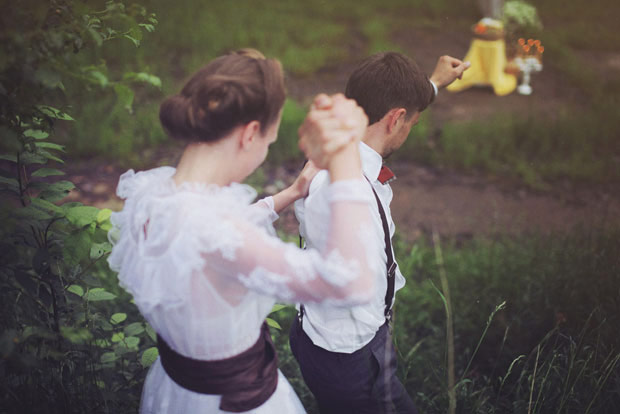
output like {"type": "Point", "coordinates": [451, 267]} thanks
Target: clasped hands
{"type": "Point", "coordinates": [332, 130]}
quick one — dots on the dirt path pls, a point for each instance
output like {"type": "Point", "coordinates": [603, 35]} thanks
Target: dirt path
{"type": "Point", "coordinates": [460, 206]}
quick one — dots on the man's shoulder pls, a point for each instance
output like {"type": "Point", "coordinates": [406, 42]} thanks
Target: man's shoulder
{"type": "Point", "coordinates": [319, 183]}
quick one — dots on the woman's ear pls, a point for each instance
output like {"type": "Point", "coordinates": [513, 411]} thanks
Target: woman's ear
{"type": "Point", "coordinates": [249, 134]}
{"type": "Point", "coordinates": [394, 115]}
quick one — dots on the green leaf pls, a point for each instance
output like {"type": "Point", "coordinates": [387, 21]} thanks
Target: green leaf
{"type": "Point", "coordinates": [82, 215]}
{"type": "Point", "coordinates": [151, 333]}
{"type": "Point", "coordinates": [99, 78]}
{"type": "Point", "coordinates": [148, 27]}
{"type": "Point", "coordinates": [273, 323]}
{"type": "Point", "coordinates": [76, 249]}
{"type": "Point", "coordinates": [50, 145]}
{"type": "Point", "coordinates": [28, 158]}
{"type": "Point", "coordinates": [30, 212]}
{"type": "Point", "coordinates": [46, 205]}
{"type": "Point", "coordinates": [76, 289]}
{"type": "Point", "coordinates": [117, 318]}
{"type": "Point", "coordinates": [76, 335]}
{"type": "Point", "coordinates": [11, 182]}
{"type": "Point", "coordinates": [278, 307]}
{"type": "Point", "coordinates": [54, 113]}
{"type": "Point", "coordinates": [47, 172]}
{"type": "Point", "coordinates": [8, 157]}
{"type": "Point", "coordinates": [36, 134]}
{"type": "Point", "coordinates": [104, 215]}
{"type": "Point", "coordinates": [134, 329]}
{"type": "Point", "coordinates": [117, 337]}
{"type": "Point", "coordinates": [96, 36]}
{"type": "Point", "coordinates": [103, 343]}
{"type": "Point", "coordinates": [135, 41]}
{"type": "Point", "coordinates": [124, 96]}
{"type": "Point", "coordinates": [99, 294]}
{"type": "Point", "coordinates": [108, 357]}
{"type": "Point", "coordinates": [149, 356]}
{"type": "Point", "coordinates": [56, 191]}
{"type": "Point", "coordinates": [132, 342]}
{"type": "Point", "coordinates": [99, 249]}
{"type": "Point", "coordinates": [143, 77]}
{"type": "Point", "coordinates": [50, 156]}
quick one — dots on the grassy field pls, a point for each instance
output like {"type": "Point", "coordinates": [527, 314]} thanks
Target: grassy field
{"type": "Point", "coordinates": [312, 36]}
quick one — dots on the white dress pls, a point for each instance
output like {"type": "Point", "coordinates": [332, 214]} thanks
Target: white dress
{"type": "Point", "coordinates": [204, 267]}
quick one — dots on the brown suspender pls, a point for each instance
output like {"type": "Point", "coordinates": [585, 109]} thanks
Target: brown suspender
{"type": "Point", "coordinates": [390, 263]}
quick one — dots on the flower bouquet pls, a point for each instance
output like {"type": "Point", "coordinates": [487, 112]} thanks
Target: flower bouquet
{"type": "Point", "coordinates": [528, 60]}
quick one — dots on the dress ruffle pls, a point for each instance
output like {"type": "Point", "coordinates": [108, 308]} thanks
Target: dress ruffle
{"type": "Point", "coordinates": [148, 250]}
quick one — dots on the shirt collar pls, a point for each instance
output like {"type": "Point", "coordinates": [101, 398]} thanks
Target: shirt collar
{"type": "Point", "coordinates": [371, 162]}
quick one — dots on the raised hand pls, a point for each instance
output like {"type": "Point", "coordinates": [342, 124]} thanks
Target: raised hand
{"type": "Point", "coordinates": [447, 70]}
{"type": "Point", "coordinates": [333, 124]}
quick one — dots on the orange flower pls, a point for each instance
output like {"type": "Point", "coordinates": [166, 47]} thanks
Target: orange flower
{"type": "Point", "coordinates": [521, 41]}
{"type": "Point", "coordinates": [526, 48]}
{"type": "Point", "coordinates": [480, 29]}
{"type": "Point", "coordinates": [537, 43]}
{"type": "Point", "coordinates": [530, 42]}
{"type": "Point", "coordinates": [541, 49]}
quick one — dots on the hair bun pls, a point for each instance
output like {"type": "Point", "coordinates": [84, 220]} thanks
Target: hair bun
{"type": "Point", "coordinates": [231, 90]}
{"type": "Point", "coordinates": [218, 102]}
{"type": "Point", "coordinates": [174, 114]}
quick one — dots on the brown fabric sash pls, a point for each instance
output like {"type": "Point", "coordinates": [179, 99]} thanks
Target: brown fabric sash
{"type": "Point", "coordinates": [244, 381]}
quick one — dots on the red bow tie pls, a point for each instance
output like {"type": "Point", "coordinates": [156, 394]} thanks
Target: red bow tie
{"type": "Point", "coordinates": [386, 175]}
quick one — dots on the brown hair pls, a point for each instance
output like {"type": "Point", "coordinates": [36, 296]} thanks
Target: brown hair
{"type": "Point", "coordinates": [389, 80]}
{"type": "Point", "coordinates": [229, 91]}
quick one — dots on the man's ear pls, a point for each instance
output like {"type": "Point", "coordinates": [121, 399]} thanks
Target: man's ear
{"type": "Point", "coordinates": [394, 116]}
{"type": "Point", "coordinates": [249, 134]}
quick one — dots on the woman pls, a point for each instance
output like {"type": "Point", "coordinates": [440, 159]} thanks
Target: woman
{"type": "Point", "coordinates": [204, 265]}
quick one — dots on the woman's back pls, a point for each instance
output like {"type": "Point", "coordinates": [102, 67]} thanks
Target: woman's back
{"type": "Point", "coordinates": [165, 232]}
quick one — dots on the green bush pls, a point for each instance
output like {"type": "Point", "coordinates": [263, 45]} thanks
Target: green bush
{"type": "Point", "coordinates": [70, 340]}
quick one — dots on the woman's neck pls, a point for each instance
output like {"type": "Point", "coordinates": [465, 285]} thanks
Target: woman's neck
{"type": "Point", "coordinates": [206, 163]}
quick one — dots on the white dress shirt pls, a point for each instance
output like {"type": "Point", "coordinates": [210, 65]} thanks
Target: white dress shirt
{"type": "Point", "coordinates": [347, 329]}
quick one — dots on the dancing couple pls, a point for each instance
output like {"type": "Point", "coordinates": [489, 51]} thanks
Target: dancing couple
{"type": "Point", "coordinates": [204, 264]}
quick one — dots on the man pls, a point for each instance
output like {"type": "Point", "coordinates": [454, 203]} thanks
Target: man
{"type": "Point", "coordinates": [346, 356]}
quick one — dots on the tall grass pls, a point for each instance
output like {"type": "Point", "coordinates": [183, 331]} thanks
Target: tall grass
{"type": "Point", "coordinates": [555, 342]}
{"type": "Point", "coordinates": [535, 325]}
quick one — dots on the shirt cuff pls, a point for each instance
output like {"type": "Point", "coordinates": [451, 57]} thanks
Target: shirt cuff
{"type": "Point", "coordinates": [435, 89]}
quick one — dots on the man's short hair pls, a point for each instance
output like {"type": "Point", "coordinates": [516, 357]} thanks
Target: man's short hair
{"type": "Point", "coordinates": [389, 80]}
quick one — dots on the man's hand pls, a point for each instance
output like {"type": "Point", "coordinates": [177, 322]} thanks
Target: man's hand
{"type": "Point", "coordinates": [333, 124]}
{"type": "Point", "coordinates": [447, 70]}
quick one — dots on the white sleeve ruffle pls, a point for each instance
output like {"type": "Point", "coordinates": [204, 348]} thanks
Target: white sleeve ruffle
{"type": "Point", "coordinates": [162, 241]}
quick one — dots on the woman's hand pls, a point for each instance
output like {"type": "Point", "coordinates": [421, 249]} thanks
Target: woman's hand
{"type": "Point", "coordinates": [297, 190]}
{"type": "Point", "coordinates": [332, 125]}
{"type": "Point", "coordinates": [301, 185]}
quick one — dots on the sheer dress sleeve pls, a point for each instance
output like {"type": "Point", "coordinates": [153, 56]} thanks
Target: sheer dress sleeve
{"type": "Point", "coordinates": [339, 274]}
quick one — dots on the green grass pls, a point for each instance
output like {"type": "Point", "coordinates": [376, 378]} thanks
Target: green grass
{"type": "Point", "coordinates": [579, 145]}
{"type": "Point", "coordinates": [557, 330]}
